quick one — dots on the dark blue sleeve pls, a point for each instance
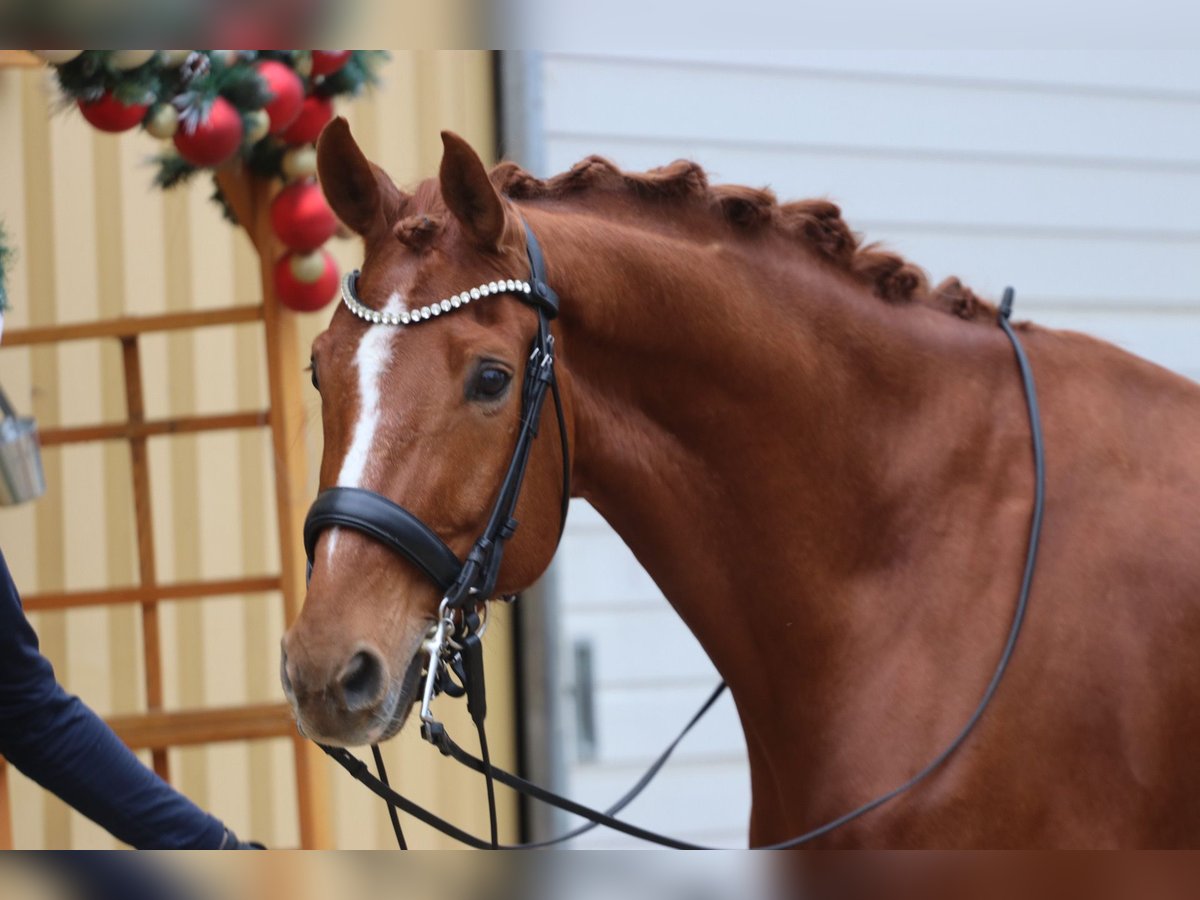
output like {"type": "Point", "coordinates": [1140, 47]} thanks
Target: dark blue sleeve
{"type": "Point", "coordinates": [57, 741]}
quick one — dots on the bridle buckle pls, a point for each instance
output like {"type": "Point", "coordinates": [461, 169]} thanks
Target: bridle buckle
{"type": "Point", "coordinates": [435, 647]}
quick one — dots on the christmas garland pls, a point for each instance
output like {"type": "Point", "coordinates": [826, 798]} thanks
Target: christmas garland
{"type": "Point", "coordinates": [279, 98]}
{"type": "Point", "coordinates": [266, 107]}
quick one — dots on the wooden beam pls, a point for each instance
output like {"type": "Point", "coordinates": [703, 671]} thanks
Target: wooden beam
{"type": "Point", "coordinates": [160, 730]}
{"type": "Point", "coordinates": [82, 434]}
{"type": "Point", "coordinates": [144, 528]}
{"type": "Point", "coordinates": [184, 590]}
{"type": "Point", "coordinates": [129, 326]}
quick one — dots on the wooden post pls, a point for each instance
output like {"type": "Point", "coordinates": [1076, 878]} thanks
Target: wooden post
{"type": "Point", "coordinates": [250, 199]}
{"type": "Point", "coordinates": [144, 525]}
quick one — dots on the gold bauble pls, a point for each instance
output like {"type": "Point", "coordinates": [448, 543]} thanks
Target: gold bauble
{"type": "Point", "coordinates": [175, 58]}
{"type": "Point", "coordinates": [129, 59]}
{"type": "Point", "coordinates": [163, 121]}
{"type": "Point", "coordinates": [308, 267]}
{"type": "Point", "coordinates": [258, 123]}
{"type": "Point", "coordinates": [300, 162]}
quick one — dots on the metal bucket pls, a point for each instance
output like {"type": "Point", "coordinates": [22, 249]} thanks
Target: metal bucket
{"type": "Point", "coordinates": [21, 476]}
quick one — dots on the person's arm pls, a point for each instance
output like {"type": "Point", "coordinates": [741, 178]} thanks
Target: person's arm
{"type": "Point", "coordinates": [61, 744]}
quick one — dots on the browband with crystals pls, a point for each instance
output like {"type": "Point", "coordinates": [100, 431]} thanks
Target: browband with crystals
{"type": "Point", "coordinates": [375, 317]}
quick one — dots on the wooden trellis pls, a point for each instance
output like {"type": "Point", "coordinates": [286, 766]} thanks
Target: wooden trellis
{"type": "Point", "coordinates": [158, 729]}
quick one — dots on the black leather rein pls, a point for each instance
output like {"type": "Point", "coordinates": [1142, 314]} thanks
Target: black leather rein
{"type": "Point", "coordinates": [468, 582]}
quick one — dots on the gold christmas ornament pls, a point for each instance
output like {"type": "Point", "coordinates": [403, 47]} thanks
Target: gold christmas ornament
{"type": "Point", "coordinates": [130, 59]}
{"type": "Point", "coordinates": [300, 162]}
{"type": "Point", "coordinates": [308, 267]}
{"type": "Point", "coordinates": [163, 121]}
{"type": "Point", "coordinates": [175, 58]}
{"type": "Point", "coordinates": [303, 64]}
{"type": "Point", "coordinates": [258, 123]}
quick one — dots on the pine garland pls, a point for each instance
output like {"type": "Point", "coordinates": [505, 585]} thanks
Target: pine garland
{"type": "Point", "coordinates": [173, 170]}
{"type": "Point", "coordinates": [358, 73]}
{"type": "Point", "coordinates": [193, 86]}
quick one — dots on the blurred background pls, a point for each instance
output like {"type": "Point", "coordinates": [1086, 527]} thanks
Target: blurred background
{"type": "Point", "coordinates": [1072, 175]}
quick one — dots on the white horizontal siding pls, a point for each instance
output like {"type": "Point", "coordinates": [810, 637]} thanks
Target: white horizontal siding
{"type": "Point", "coordinates": [1125, 71]}
{"type": "Point", "coordinates": [699, 802]}
{"type": "Point", "coordinates": [1073, 176]}
{"type": "Point", "coordinates": [800, 106]}
{"type": "Point", "coordinates": [625, 635]}
{"type": "Point", "coordinates": [868, 26]}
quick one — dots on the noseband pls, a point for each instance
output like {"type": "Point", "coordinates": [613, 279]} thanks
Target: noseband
{"type": "Point", "coordinates": [455, 645]}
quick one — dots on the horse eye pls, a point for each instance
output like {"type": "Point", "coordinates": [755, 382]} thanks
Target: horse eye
{"type": "Point", "coordinates": [489, 383]}
{"type": "Point", "coordinates": [312, 368]}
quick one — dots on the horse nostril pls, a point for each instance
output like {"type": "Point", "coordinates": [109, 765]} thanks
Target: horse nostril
{"type": "Point", "coordinates": [361, 680]}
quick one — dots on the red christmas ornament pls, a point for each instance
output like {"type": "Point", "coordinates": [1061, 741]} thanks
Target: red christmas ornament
{"type": "Point", "coordinates": [314, 115]}
{"type": "Point", "coordinates": [213, 140]}
{"type": "Point", "coordinates": [326, 62]}
{"type": "Point", "coordinates": [301, 218]}
{"type": "Point", "coordinates": [302, 295]}
{"type": "Point", "coordinates": [110, 114]}
{"type": "Point", "coordinates": [287, 93]}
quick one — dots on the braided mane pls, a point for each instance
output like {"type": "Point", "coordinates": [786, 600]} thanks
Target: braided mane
{"type": "Point", "coordinates": [817, 224]}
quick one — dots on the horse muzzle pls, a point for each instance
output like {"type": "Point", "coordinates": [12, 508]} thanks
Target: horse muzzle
{"type": "Point", "coordinates": [355, 701]}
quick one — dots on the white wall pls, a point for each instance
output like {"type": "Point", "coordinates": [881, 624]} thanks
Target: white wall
{"type": "Point", "coordinates": [1074, 177]}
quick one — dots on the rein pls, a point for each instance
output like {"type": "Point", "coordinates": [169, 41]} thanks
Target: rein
{"type": "Point", "coordinates": [455, 645]}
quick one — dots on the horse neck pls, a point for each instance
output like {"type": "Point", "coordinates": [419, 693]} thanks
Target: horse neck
{"type": "Point", "coordinates": [767, 436]}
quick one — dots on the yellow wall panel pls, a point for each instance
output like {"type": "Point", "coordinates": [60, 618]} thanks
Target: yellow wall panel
{"type": "Point", "coordinates": [95, 240]}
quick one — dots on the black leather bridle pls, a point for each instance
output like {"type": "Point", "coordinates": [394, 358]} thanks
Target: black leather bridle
{"type": "Point", "coordinates": [405, 534]}
{"type": "Point", "coordinates": [455, 646]}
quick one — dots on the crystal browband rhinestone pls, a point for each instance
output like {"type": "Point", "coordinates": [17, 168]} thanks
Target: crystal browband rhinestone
{"type": "Point", "coordinates": [424, 313]}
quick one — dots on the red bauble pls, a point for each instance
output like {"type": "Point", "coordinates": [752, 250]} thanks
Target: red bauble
{"type": "Point", "coordinates": [287, 93]}
{"type": "Point", "coordinates": [301, 218]}
{"type": "Point", "coordinates": [326, 62]}
{"type": "Point", "coordinates": [315, 115]}
{"type": "Point", "coordinates": [110, 114]}
{"type": "Point", "coordinates": [305, 296]}
{"type": "Point", "coordinates": [213, 140]}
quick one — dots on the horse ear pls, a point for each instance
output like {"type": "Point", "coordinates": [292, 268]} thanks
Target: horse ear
{"type": "Point", "coordinates": [359, 192]}
{"type": "Point", "coordinates": [469, 193]}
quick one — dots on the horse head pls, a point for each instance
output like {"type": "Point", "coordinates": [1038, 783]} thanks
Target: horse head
{"type": "Point", "coordinates": [421, 375]}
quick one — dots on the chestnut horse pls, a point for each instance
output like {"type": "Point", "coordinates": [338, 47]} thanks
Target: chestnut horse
{"type": "Point", "coordinates": [824, 464]}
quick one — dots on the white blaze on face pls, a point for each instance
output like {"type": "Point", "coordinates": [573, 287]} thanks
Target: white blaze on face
{"type": "Point", "coordinates": [370, 362]}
